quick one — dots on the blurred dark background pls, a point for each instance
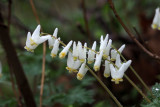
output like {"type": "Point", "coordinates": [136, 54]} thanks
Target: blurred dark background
{"type": "Point", "coordinates": [62, 89]}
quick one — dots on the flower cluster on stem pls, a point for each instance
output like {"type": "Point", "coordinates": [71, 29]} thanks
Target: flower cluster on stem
{"type": "Point", "coordinates": [81, 54]}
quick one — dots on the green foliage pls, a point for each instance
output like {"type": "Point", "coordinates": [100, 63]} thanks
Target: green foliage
{"type": "Point", "coordinates": [8, 102]}
{"type": "Point", "coordinates": [156, 101]}
{"type": "Point", "coordinates": [76, 96]}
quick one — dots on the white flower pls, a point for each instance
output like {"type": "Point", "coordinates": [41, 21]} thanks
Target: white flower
{"type": "Point", "coordinates": [82, 51]}
{"type": "Point", "coordinates": [101, 40]}
{"type": "Point", "coordinates": [118, 62]}
{"type": "Point", "coordinates": [0, 69]}
{"type": "Point", "coordinates": [97, 63]}
{"type": "Point", "coordinates": [71, 64]}
{"type": "Point", "coordinates": [65, 50]}
{"type": "Point", "coordinates": [33, 41]}
{"type": "Point", "coordinates": [55, 48]}
{"type": "Point", "coordinates": [91, 54]}
{"type": "Point", "coordinates": [51, 40]}
{"type": "Point", "coordinates": [117, 73]}
{"type": "Point", "coordinates": [75, 51]}
{"type": "Point", "coordinates": [82, 71]}
{"type": "Point", "coordinates": [103, 43]}
{"type": "Point", "coordinates": [28, 46]}
{"type": "Point", "coordinates": [107, 49]}
{"type": "Point", "coordinates": [107, 70]}
{"type": "Point", "coordinates": [114, 52]}
{"type": "Point", "coordinates": [156, 20]}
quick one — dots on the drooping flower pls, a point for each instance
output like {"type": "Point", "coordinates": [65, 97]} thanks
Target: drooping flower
{"type": "Point", "coordinates": [51, 40]}
{"type": "Point", "coordinates": [65, 50]}
{"type": "Point", "coordinates": [28, 46]}
{"type": "Point", "coordinates": [156, 20]}
{"type": "Point", "coordinates": [33, 41]}
{"type": "Point", "coordinates": [82, 51]}
{"type": "Point", "coordinates": [103, 43]}
{"type": "Point", "coordinates": [72, 65]}
{"type": "Point", "coordinates": [82, 71]}
{"type": "Point", "coordinates": [114, 52]}
{"type": "Point", "coordinates": [107, 70]}
{"type": "Point", "coordinates": [91, 54]}
{"type": "Point", "coordinates": [75, 51]}
{"type": "Point", "coordinates": [55, 48]}
{"type": "Point", "coordinates": [117, 73]}
{"type": "Point", "coordinates": [107, 49]}
{"type": "Point", "coordinates": [97, 63]}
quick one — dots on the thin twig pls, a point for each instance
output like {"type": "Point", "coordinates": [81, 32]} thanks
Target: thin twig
{"type": "Point", "coordinates": [44, 54]}
{"type": "Point", "coordinates": [130, 33]}
{"type": "Point", "coordinates": [138, 34]}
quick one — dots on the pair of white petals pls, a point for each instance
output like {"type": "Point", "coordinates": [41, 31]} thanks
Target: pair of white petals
{"type": "Point", "coordinates": [35, 39]}
{"type": "Point", "coordinates": [105, 46]}
{"type": "Point", "coordinates": [73, 66]}
{"type": "Point", "coordinates": [118, 70]}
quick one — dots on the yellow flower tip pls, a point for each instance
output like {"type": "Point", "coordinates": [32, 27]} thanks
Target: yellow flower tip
{"type": "Point", "coordinates": [50, 47]}
{"type": "Point", "coordinates": [74, 70]}
{"type": "Point", "coordinates": [117, 80]}
{"type": "Point", "coordinates": [70, 71]}
{"type": "Point", "coordinates": [67, 68]}
{"type": "Point", "coordinates": [74, 58]}
{"type": "Point", "coordinates": [32, 42]}
{"type": "Point", "coordinates": [106, 75]}
{"type": "Point", "coordinates": [53, 55]}
{"type": "Point", "coordinates": [90, 62]}
{"type": "Point", "coordinates": [28, 49]}
{"type": "Point", "coordinates": [96, 68]}
{"type": "Point", "coordinates": [154, 26]}
{"type": "Point", "coordinates": [82, 60]}
{"type": "Point", "coordinates": [79, 76]}
{"type": "Point", "coordinates": [158, 28]}
{"type": "Point", "coordinates": [113, 59]}
{"type": "Point", "coordinates": [105, 56]}
{"type": "Point", "coordinates": [62, 55]}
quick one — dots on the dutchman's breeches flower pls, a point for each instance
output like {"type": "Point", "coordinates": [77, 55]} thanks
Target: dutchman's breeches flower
{"type": "Point", "coordinates": [114, 52]}
{"type": "Point", "coordinates": [51, 40]}
{"type": "Point", "coordinates": [82, 51]}
{"type": "Point", "coordinates": [103, 43]}
{"type": "Point", "coordinates": [107, 49]}
{"type": "Point", "coordinates": [82, 71]}
{"type": "Point", "coordinates": [117, 73]}
{"type": "Point", "coordinates": [91, 54]}
{"type": "Point", "coordinates": [97, 63]}
{"type": "Point", "coordinates": [33, 41]}
{"type": "Point", "coordinates": [72, 65]}
{"type": "Point", "coordinates": [156, 20]}
{"type": "Point", "coordinates": [75, 51]}
{"type": "Point", "coordinates": [55, 48]}
{"type": "Point", "coordinates": [65, 50]}
{"type": "Point", "coordinates": [107, 69]}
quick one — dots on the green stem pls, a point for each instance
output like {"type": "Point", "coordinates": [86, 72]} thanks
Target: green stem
{"type": "Point", "coordinates": [132, 69]}
{"type": "Point", "coordinates": [134, 85]}
{"type": "Point", "coordinates": [105, 87]}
